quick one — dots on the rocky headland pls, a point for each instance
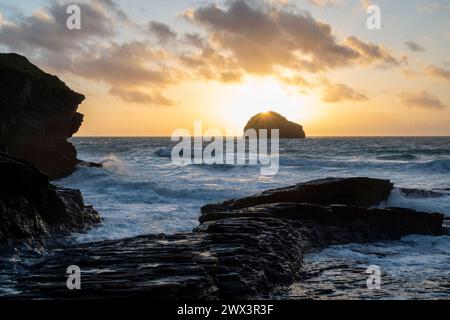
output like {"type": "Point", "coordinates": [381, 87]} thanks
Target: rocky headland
{"type": "Point", "coordinates": [38, 113]}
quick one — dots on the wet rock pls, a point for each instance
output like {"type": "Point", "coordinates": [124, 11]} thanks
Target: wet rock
{"type": "Point", "coordinates": [241, 254]}
{"type": "Point", "coordinates": [364, 192]}
{"type": "Point", "coordinates": [240, 250]}
{"type": "Point", "coordinates": [3, 147]}
{"type": "Point", "coordinates": [89, 164]}
{"type": "Point", "coordinates": [32, 209]}
{"type": "Point", "coordinates": [38, 113]}
{"type": "Point", "coordinates": [272, 120]}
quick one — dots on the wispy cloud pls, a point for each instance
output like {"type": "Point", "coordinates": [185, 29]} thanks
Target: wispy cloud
{"type": "Point", "coordinates": [414, 46]}
{"type": "Point", "coordinates": [422, 99]}
{"type": "Point", "coordinates": [338, 92]}
{"type": "Point", "coordinates": [136, 96]}
{"type": "Point", "coordinates": [438, 73]}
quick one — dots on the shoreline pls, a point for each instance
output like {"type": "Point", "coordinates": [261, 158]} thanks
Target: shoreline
{"type": "Point", "coordinates": [221, 258]}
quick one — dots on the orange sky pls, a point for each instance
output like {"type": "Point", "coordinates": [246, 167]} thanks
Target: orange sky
{"type": "Point", "coordinates": [147, 72]}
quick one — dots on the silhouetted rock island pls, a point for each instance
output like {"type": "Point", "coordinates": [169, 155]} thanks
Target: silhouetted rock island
{"type": "Point", "coordinates": [272, 120]}
{"type": "Point", "coordinates": [38, 113]}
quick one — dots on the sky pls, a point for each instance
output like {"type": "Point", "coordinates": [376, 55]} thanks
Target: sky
{"type": "Point", "coordinates": [149, 67]}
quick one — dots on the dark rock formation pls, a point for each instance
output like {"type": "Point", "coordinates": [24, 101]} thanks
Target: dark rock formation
{"type": "Point", "coordinates": [3, 147]}
{"type": "Point", "coordinates": [363, 192]}
{"type": "Point", "coordinates": [32, 209]}
{"type": "Point", "coordinates": [238, 254]}
{"type": "Point", "coordinates": [89, 164]}
{"type": "Point", "coordinates": [272, 120]}
{"type": "Point", "coordinates": [38, 113]}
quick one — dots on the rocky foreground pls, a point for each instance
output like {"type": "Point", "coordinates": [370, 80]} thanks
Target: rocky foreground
{"type": "Point", "coordinates": [33, 210]}
{"type": "Point", "coordinates": [243, 249]}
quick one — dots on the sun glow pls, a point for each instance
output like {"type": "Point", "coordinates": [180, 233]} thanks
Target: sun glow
{"type": "Point", "coordinates": [256, 95]}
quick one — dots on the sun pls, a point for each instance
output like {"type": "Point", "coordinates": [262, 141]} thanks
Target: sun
{"type": "Point", "coordinates": [238, 103]}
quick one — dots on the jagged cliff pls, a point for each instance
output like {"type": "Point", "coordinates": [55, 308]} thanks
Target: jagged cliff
{"type": "Point", "coordinates": [38, 113]}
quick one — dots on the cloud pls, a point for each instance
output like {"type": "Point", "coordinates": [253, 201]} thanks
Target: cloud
{"type": "Point", "coordinates": [135, 96]}
{"type": "Point", "coordinates": [296, 81]}
{"type": "Point", "coordinates": [413, 46]}
{"type": "Point", "coordinates": [338, 92]}
{"type": "Point", "coordinates": [123, 64]}
{"type": "Point", "coordinates": [262, 37]}
{"type": "Point", "coordinates": [438, 73]}
{"type": "Point", "coordinates": [324, 3]}
{"type": "Point", "coordinates": [370, 52]}
{"type": "Point", "coordinates": [46, 31]}
{"type": "Point", "coordinates": [240, 38]}
{"type": "Point", "coordinates": [210, 64]}
{"type": "Point", "coordinates": [195, 40]}
{"type": "Point", "coordinates": [162, 31]}
{"type": "Point", "coordinates": [421, 99]}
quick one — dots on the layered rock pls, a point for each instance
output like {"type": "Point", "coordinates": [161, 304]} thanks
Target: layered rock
{"type": "Point", "coordinates": [32, 209]}
{"type": "Point", "coordinates": [272, 120]}
{"type": "Point", "coordinates": [38, 113]}
{"type": "Point", "coordinates": [244, 253]}
{"type": "Point", "coordinates": [358, 191]}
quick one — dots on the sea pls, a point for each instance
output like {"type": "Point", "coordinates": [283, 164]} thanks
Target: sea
{"type": "Point", "coordinates": [139, 190]}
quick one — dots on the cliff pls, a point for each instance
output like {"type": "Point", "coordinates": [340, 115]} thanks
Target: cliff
{"type": "Point", "coordinates": [38, 113]}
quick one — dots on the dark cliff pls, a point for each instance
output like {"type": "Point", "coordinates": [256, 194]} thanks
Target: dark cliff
{"type": "Point", "coordinates": [32, 209]}
{"type": "Point", "coordinates": [38, 113]}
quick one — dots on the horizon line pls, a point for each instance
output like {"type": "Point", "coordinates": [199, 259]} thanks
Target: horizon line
{"type": "Point", "coordinates": [318, 136]}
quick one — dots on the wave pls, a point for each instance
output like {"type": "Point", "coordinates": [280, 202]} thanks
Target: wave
{"type": "Point", "coordinates": [129, 188]}
{"type": "Point", "coordinates": [442, 165]}
{"type": "Point", "coordinates": [425, 203]}
{"type": "Point", "coordinates": [113, 163]}
{"type": "Point", "coordinates": [398, 157]}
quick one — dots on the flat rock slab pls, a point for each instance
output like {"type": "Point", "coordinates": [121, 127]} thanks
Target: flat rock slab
{"type": "Point", "coordinates": [241, 254]}
{"type": "Point", "coordinates": [358, 191]}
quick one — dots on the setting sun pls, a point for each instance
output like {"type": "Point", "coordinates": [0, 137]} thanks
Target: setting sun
{"type": "Point", "coordinates": [239, 102]}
